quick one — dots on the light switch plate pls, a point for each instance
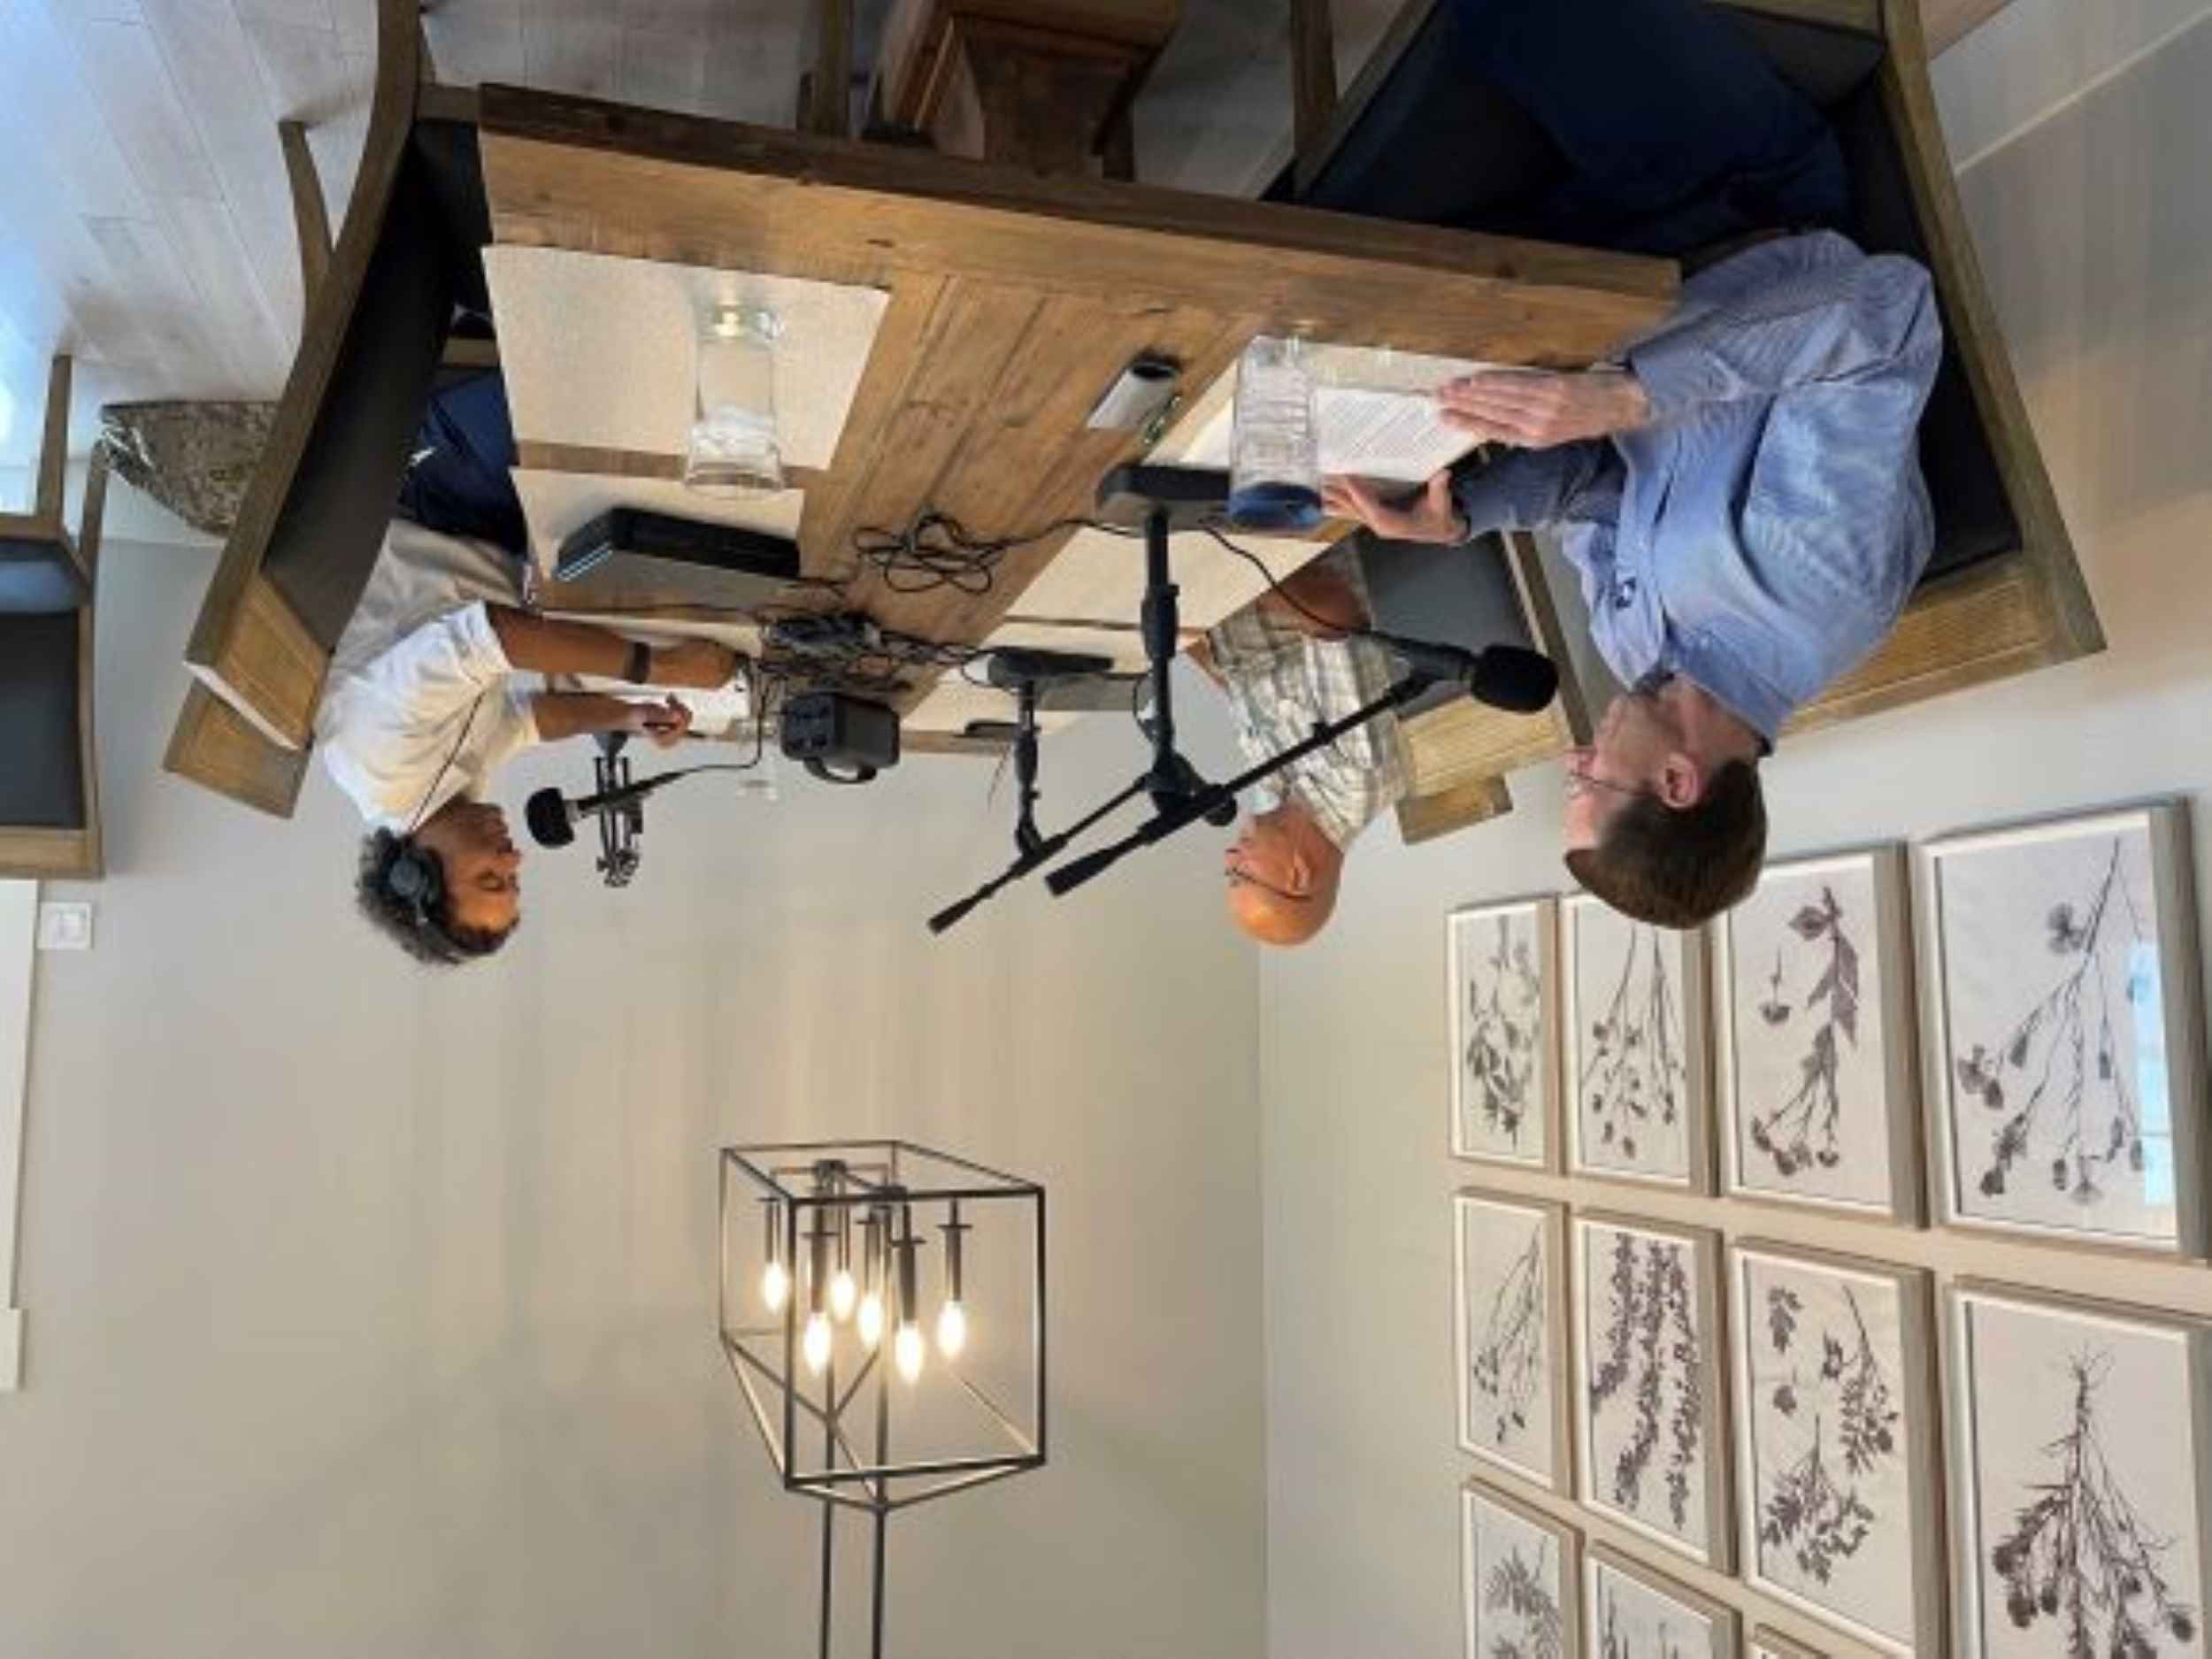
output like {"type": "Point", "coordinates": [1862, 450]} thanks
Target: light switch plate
{"type": "Point", "coordinates": [65, 924]}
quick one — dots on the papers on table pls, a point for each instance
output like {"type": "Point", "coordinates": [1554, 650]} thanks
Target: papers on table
{"type": "Point", "coordinates": [1375, 411]}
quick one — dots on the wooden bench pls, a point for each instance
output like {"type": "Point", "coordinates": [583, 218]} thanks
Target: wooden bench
{"type": "Point", "coordinates": [2003, 592]}
{"type": "Point", "coordinates": [49, 782]}
{"type": "Point", "coordinates": [380, 305]}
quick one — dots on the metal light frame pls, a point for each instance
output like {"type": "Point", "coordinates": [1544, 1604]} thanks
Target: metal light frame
{"type": "Point", "coordinates": [812, 1187]}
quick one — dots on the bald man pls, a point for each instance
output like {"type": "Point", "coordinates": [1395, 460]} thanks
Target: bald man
{"type": "Point", "coordinates": [1285, 663]}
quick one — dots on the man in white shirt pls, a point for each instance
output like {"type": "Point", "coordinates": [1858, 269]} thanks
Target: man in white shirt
{"type": "Point", "coordinates": [425, 699]}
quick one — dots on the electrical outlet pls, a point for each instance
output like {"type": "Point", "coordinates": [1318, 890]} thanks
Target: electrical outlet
{"type": "Point", "coordinates": [65, 924]}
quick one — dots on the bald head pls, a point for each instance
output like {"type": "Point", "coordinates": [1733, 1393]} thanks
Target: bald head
{"type": "Point", "coordinates": [1282, 874]}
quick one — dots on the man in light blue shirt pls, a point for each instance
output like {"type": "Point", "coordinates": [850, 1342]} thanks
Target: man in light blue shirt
{"type": "Point", "coordinates": [1742, 495]}
{"type": "Point", "coordinates": [1744, 503]}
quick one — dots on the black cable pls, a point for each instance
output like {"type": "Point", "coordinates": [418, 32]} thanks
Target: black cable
{"type": "Point", "coordinates": [936, 550]}
{"type": "Point", "coordinates": [1281, 592]}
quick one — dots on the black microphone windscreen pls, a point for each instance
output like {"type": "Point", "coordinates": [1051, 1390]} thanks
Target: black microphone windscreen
{"type": "Point", "coordinates": [1508, 677]}
{"type": "Point", "coordinates": [547, 815]}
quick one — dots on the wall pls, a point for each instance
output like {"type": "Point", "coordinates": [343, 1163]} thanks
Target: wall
{"type": "Point", "coordinates": [2095, 228]}
{"type": "Point", "coordinates": [371, 1312]}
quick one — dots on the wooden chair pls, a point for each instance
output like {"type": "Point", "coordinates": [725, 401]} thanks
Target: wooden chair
{"type": "Point", "coordinates": [2004, 593]}
{"type": "Point", "coordinates": [49, 782]}
{"type": "Point", "coordinates": [380, 304]}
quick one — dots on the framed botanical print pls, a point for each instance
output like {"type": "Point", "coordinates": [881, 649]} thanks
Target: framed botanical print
{"type": "Point", "coordinates": [1520, 1577]}
{"type": "Point", "coordinates": [1632, 1612]}
{"type": "Point", "coordinates": [1502, 983]}
{"type": "Point", "coordinates": [2065, 1045]}
{"type": "Point", "coordinates": [1634, 1019]}
{"type": "Point", "coordinates": [1510, 1325]}
{"type": "Point", "coordinates": [2079, 1433]}
{"type": "Point", "coordinates": [1766, 1642]}
{"type": "Point", "coordinates": [1651, 1438]}
{"type": "Point", "coordinates": [1841, 1506]}
{"type": "Point", "coordinates": [1813, 1039]}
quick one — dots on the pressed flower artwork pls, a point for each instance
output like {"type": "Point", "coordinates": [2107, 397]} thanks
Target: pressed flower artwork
{"type": "Point", "coordinates": [1815, 1058]}
{"type": "Point", "coordinates": [1634, 1613]}
{"type": "Point", "coordinates": [1511, 1326]}
{"type": "Point", "coordinates": [1648, 1413]}
{"type": "Point", "coordinates": [1635, 1073]}
{"type": "Point", "coordinates": [1504, 1030]}
{"type": "Point", "coordinates": [2064, 1062]}
{"type": "Point", "coordinates": [1520, 1579]}
{"type": "Point", "coordinates": [1834, 1443]}
{"type": "Point", "coordinates": [2081, 1437]}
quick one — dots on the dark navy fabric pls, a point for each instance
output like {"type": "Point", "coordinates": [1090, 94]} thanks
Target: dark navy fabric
{"type": "Point", "coordinates": [457, 482]}
{"type": "Point", "coordinates": [1668, 130]}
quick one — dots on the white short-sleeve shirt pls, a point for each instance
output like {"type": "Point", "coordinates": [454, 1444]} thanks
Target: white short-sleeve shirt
{"type": "Point", "coordinates": [421, 704]}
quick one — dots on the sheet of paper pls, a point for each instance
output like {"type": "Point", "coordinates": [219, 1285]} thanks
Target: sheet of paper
{"type": "Point", "coordinates": [602, 352]}
{"type": "Point", "coordinates": [1372, 408]}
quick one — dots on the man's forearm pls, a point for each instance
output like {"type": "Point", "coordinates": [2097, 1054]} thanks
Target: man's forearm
{"type": "Point", "coordinates": [561, 714]}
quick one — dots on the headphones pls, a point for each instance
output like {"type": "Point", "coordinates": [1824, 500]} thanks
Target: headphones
{"type": "Point", "coordinates": [415, 879]}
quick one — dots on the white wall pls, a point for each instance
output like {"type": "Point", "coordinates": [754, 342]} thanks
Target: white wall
{"type": "Point", "coordinates": [371, 1312]}
{"type": "Point", "coordinates": [2095, 228]}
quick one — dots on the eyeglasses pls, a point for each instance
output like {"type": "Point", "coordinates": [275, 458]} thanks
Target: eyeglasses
{"type": "Point", "coordinates": [1244, 878]}
{"type": "Point", "coordinates": [1581, 780]}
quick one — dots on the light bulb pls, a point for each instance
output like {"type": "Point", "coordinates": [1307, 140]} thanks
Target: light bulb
{"type": "Point", "coordinates": [952, 1330]}
{"type": "Point", "coordinates": [842, 1294]}
{"type": "Point", "coordinates": [817, 1344]}
{"type": "Point", "coordinates": [775, 1285]}
{"type": "Point", "coordinates": [871, 1320]}
{"type": "Point", "coordinates": [907, 1348]}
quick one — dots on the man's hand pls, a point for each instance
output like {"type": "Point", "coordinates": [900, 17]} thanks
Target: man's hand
{"type": "Point", "coordinates": [666, 722]}
{"type": "Point", "coordinates": [1535, 410]}
{"type": "Point", "coordinates": [1431, 516]}
{"type": "Point", "coordinates": [700, 664]}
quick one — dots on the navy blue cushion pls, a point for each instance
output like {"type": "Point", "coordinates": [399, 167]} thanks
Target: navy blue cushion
{"type": "Point", "coordinates": [38, 578]}
{"type": "Point", "coordinates": [42, 779]}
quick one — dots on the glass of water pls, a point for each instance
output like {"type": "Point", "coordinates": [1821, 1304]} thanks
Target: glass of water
{"type": "Point", "coordinates": [1274, 456]}
{"type": "Point", "coordinates": [733, 446]}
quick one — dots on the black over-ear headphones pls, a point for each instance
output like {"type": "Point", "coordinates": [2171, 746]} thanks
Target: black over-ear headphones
{"type": "Point", "coordinates": [415, 879]}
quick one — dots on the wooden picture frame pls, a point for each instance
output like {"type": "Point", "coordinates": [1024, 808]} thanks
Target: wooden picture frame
{"type": "Point", "coordinates": [1601, 1563]}
{"type": "Point", "coordinates": [1474, 1496]}
{"type": "Point", "coordinates": [1835, 978]}
{"type": "Point", "coordinates": [2058, 1409]}
{"type": "Point", "coordinates": [1504, 1069]}
{"type": "Point", "coordinates": [1766, 1642]}
{"type": "Point", "coordinates": [2048, 899]}
{"type": "Point", "coordinates": [1635, 1059]}
{"type": "Point", "coordinates": [1512, 1390]}
{"type": "Point", "coordinates": [1680, 1268]}
{"type": "Point", "coordinates": [1848, 1397]}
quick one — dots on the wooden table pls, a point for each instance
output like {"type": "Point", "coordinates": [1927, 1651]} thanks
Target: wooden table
{"type": "Point", "coordinates": [1013, 301]}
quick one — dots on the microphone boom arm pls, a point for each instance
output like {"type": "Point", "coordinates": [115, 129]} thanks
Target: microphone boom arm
{"type": "Point", "coordinates": [1184, 810]}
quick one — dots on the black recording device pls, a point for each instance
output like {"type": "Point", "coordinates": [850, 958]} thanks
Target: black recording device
{"type": "Point", "coordinates": [750, 560]}
{"type": "Point", "coordinates": [824, 731]}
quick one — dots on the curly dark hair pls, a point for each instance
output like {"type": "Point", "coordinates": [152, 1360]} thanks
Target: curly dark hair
{"type": "Point", "coordinates": [1680, 867]}
{"type": "Point", "coordinates": [432, 940]}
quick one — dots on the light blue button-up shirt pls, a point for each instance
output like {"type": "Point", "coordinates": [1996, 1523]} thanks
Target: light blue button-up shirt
{"type": "Point", "coordinates": [1759, 535]}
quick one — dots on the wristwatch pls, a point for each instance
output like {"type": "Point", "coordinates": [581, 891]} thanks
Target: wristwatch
{"type": "Point", "coordinates": [639, 670]}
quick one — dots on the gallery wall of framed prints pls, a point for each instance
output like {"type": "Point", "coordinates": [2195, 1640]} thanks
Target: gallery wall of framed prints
{"type": "Point", "coordinates": [1833, 1281]}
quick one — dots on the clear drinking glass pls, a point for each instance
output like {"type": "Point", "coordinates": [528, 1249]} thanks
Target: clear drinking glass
{"type": "Point", "coordinates": [732, 447]}
{"type": "Point", "coordinates": [1274, 454]}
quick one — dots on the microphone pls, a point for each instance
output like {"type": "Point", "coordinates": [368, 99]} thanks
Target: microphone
{"type": "Point", "coordinates": [553, 819]}
{"type": "Point", "coordinates": [1506, 677]}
